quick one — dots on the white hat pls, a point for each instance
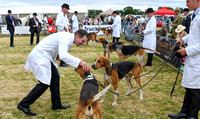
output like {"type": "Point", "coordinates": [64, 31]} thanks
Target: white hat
{"type": "Point", "coordinates": [179, 28]}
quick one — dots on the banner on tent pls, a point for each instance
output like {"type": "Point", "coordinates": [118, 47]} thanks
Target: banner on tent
{"type": "Point", "coordinates": [18, 30]}
{"type": "Point", "coordinates": [94, 28]}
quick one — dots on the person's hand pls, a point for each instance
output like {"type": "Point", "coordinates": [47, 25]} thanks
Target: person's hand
{"type": "Point", "coordinates": [180, 41]}
{"type": "Point", "coordinates": [34, 25]}
{"type": "Point", "coordinates": [69, 28]}
{"type": "Point", "coordinates": [85, 66]}
{"type": "Point", "coordinates": [57, 58]}
{"type": "Point", "coordinates": [182, 51]}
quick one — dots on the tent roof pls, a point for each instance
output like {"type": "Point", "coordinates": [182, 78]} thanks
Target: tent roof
{"type": "Point", "coordinates": [163, 11]}
{"type": "Point", "coordinates": [43, 9]}
{"type": "Point", "coordinates": [107, 12]}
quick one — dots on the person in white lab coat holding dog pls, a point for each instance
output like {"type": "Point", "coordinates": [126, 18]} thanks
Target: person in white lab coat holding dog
{"type": "Point", "coordinates": [150, 36]}
{"type": "Point", "coordinates": [191, 75]}
{"type": "Point", "coordinates": [42, 63]}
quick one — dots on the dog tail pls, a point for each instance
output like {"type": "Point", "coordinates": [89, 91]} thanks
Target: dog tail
{"type": "Point", "coordinates": [97, 96]}
{"type": "Point", "coordinates": [152, 50]}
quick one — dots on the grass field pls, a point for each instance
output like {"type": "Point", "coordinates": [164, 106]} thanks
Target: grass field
{"type": "Point", "coordinates": [16, 83]}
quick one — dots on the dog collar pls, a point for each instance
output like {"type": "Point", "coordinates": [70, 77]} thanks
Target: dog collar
{"type": "Point", "coordinates": [89, 77]}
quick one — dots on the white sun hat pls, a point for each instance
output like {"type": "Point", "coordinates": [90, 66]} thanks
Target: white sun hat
{"type": "Point", "coordinates": [179, 28]}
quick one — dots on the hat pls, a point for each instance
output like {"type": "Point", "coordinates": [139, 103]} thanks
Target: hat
{"type": "Point", "coordinates": [186, 10]}
{"type": "Point", "coordinates": [149, 10]}
{"type": "Point", "coordinates": [115, 12]}
{"type": "Point", "coordinates": [9, 11]}
{"type": "Point", "coordinates": [65, 6]}
{"type": "Point", "coordinates": [179, 28]}
{"type": "Point", "coordinates": [165, 15]}
{"type": "Point", "coordinates": [34, 14]}
{"type": "Point", "coordinates": [177, 10]}
{"type": "Point", "coordinates": [75, 12]}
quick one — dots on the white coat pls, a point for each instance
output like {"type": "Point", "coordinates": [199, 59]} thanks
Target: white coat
{"type": "Point", "coordinates": [75, 23]}
{"type": "Point", "coordinates": [191, 73]}
{"type": "Point", "coordinates": [61, 21]}
{"type": "Point", "coordinates": [46, 51]}
{"type": "Point", "coordinates": [116, 26]}
{"type": "Point", "coordinates": [150, 35]}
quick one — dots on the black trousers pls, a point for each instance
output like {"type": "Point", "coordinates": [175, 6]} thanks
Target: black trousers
{"type": "Point", "coordinates": [191, 103]}
{"type": "Point", "coordinates": [40, 88]}
{"type": "Point", "coordinates": [117, 39]}
{"type": "Point", "coordinates": [32, 36]}
{"type": "Point", "coordinates": [11, 30]}
{"type": "Point", "coordinates": [150, 59]}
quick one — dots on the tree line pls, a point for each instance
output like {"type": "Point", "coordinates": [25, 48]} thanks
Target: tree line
{"type": "Point", "coordinates": [127, 10]}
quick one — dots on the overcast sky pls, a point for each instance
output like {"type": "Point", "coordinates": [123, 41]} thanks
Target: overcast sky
{"type": "Point", "coordinates": [96, 4]}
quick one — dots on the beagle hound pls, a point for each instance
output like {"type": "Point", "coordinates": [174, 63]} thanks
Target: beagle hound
{"type": "Point", "coordinates": [126, 51]}
{"type": "Point", "coordinates": [107, 46]}
{"type": "Point", "coordinates": [106, 31]}
{"type": "Point", "coordinates": [113, 73]}
{"type": "Point", "coordinates": [89, 107]}
{"type": "Point", "coordinates": [93, 36]}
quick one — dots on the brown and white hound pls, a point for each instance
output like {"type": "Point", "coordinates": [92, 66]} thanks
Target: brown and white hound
{"type": "Point", "coordinates": [107, 46]}
{"type": "Point", "coordinates": [113, 73]}
{"type": "Point", "coordinates": [89, 107]}
{"type": "Point", "coordinates": [107, 32]}
{"type": "Point", "coordinates": [126, 51]}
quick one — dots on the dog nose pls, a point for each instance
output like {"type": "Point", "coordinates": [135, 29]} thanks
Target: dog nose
{"type": "Point", "coordinates": [93, 66]}
{"type": "Point", "coordinates": [97, 41]}
{"type": "Point", "coordinates": [74, 69]}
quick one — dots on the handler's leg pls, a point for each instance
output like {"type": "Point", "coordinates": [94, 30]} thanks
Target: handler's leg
{"type": "Point", "coordinates": [113, 39]}
{"type": "Point", "coordinates": [195, 103]}
{"type": "Point", "coordinates": [55, 89]}
{"type": "Point", "coordinates": [149, 60]}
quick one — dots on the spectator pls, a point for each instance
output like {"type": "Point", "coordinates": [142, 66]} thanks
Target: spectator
{"type": "Point", "coordinates": [11, 27]}
{"type": "Point", "coordinates": [124, 24]}
{"type": "Point", "coordinates": [180, 30]}
{"type": "Point", "coordinates": [35, 27]}
{"type": "Point", "coordinates": [19, 22]}
{"type": "Point", "coordinates": [167, 22]}
{"type": "Point", "coordinates": [191, 75]}
{"type": "Point", "coordinates": [150, 36]}
{"type": "Point", "coordinates": [86, 21]}
{"type": "Point", "coordinates": [186, 19]}
{"type": "Point", "coordinates": [143, 19]}
{"type": "Point", "coordinates": [50, 21]}
{"type": "Point", "coordinates": [163, 31]}
{"type": "Point", "coordinates": [45, 24]}
{"type": "Point", "coordinates": [42, 63]}
{"type": "Point", "coordinates": [68, 21]}
{"type": "Point", "coordinates": [75, 24]}
{"type": "Point", "coordinates": [105, 22]}
{"type": "Point", "coordinates": [178, 20]}
{"type": "Point", "coordinates": [96, 21]}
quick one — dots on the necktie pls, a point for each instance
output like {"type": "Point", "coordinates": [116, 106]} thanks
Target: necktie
{"type": "Point", "coordinates": [193, 16]}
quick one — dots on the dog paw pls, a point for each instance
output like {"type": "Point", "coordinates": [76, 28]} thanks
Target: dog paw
{"type": "Point", "coordinates": [141, 98]}
{"type": "Point", "coordinates": [114, 104]}
{"type": "Point", "coordinates": [102, 101]}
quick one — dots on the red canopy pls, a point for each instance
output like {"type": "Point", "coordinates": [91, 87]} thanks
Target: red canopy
{"type": "Point", "coordinates": [163, 11]}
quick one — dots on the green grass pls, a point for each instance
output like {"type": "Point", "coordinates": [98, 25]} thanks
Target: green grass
{"type": "Point", "coordinates": [16, 83]}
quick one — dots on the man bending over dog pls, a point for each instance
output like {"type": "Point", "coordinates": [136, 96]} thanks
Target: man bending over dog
{"type": "Point", "coordinates": [42, 63]}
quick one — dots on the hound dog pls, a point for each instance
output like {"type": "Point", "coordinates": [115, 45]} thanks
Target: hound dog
{"type": "Point", "coordinates": [89, 107]}
{"type": "Point", "coordinates": [93, 37]}
{"type": "Point", "coordinates": [113, 73]}
{"type": "Point", "coordinates": [125, 51]}
{"type": "Point", "coordinates": [107, 46]}
{"type": "Point", "coordinates": [106, 31]}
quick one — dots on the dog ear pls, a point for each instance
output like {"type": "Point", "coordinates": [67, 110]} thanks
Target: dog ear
{"type": "Point", "coordinates": [107, 62]}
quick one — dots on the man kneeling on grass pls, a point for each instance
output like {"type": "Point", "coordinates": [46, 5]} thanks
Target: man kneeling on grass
{"type": "Point", "coordinates": [42, 63]}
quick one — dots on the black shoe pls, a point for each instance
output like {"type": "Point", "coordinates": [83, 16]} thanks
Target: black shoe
{"type": "Point", "coordinates": [192, 117]}
{"type": "Point", "coordinates": [12, 45]}
{"type": "Point", "coordinates": [26, 110]}
{"type": "Point", "coordinates": [149, 65]}
{"type": "Point", "coordinates": [64, 65]}
{"type": "Point", "coordinates": [61, 107]}
{"type": "Point", "coordinates": [177, 116]}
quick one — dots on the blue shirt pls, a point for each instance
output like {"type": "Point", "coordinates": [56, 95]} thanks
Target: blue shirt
{"type": "Point", "coordinates": [197, 11]}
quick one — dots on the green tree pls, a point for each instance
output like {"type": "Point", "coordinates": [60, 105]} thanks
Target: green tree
{"type": "Point", "coordinates": [128, 10]}
{"type": "Point", "coordinates": [93, 13]}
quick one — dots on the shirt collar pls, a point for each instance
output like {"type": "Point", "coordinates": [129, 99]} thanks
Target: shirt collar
{"type": "Point", "coordinates": [197, 11]}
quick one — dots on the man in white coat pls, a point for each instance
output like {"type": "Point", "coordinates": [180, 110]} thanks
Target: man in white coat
{"type": "Point", "coordinates": [150, 36]}
{"type": "Point", "coordinates": [62, 25]}
{"type": "Point", "coordinates": [191, 75]}
{"type": "Point", "coordinates": [42, 63]}
{"type": "Point", "coordinates": [116, 26]}
{"type": "Point", "coordinates": [75, 22]}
